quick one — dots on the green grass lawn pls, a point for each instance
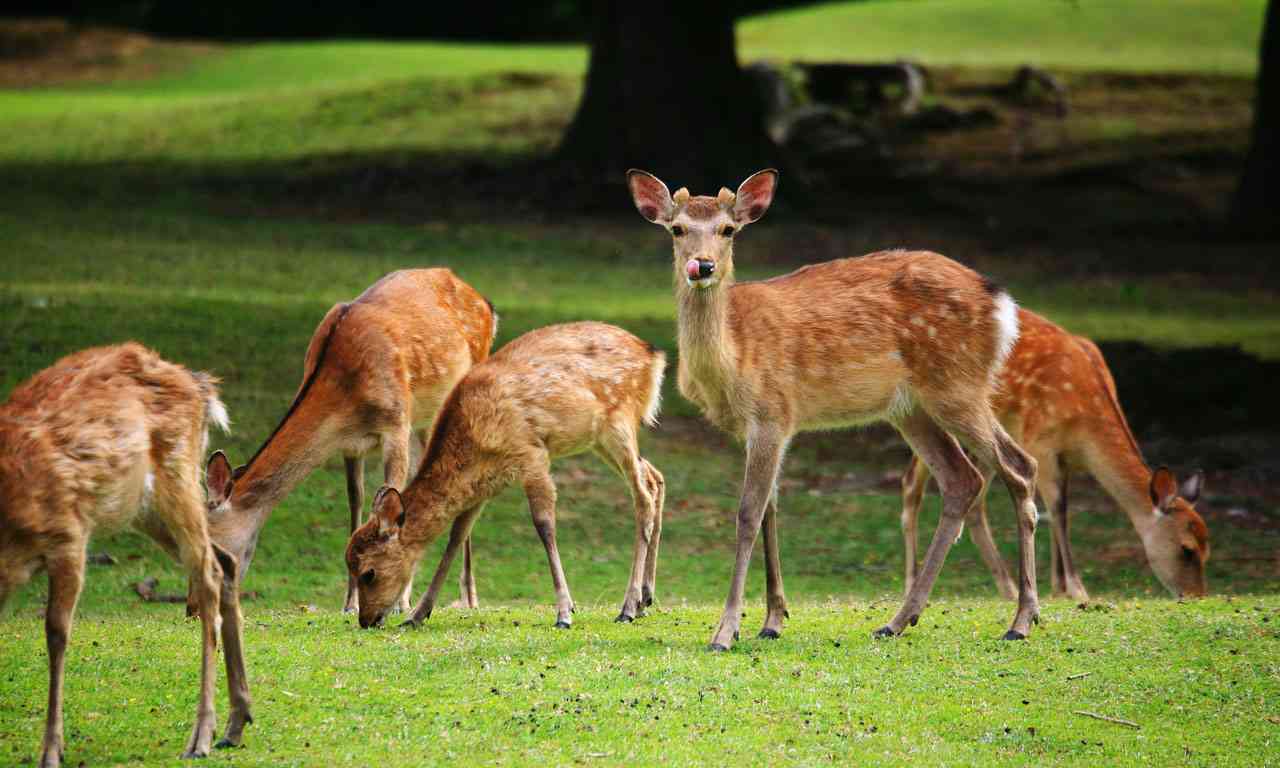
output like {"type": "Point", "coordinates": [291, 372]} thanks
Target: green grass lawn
{"type": "Point", "coordinates": [161, 210]}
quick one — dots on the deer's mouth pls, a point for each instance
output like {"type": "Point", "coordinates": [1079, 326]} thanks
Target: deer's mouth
{"type": "Point", "coordinates": [700, 273]}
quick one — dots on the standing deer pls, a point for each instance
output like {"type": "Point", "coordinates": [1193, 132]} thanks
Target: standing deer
{"type": "Point", "coordinates": [552, 392]}
{"type": "Point", "coordinates": [908, 337]}
{"type": "Point", "coordinates": [1057, 397]}
{"type": "Point", "coordinates": [104, 438]}
{"type": "Point", "coordinates": [376, 369]}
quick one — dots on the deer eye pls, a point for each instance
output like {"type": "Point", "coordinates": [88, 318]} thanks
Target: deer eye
{"type": "Point", "coordinates": [727, 231]}
{"type": "Point", "coordinates": [1189, 554]}
{"type": "Point", "coordinates": [678, 230]}
{"type": "Point", "coordinates": [367, 577]}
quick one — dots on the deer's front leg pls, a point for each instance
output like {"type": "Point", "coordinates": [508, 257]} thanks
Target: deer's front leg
{"type": "Point", "coordinates": [66, 575]}
{"type": "Point", "coordinates": [458, 535]}
{"type": "Point", "coordinates": [765, 445]}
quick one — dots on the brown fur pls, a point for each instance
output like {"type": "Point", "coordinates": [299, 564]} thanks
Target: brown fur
{"type": "Point", "coordinates": [1057, 397]}
{"type": "Point", "coordinates": [905, 336]}
{"type": "Point", "coordinates": [104, 438]}
{"type": "Point", "coordinates": [552, 392]}
{"type": "Point", "coordinates": [376, 369]}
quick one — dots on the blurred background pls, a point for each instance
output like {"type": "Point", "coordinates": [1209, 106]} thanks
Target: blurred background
{"type": "Point", "coordinates": [210, 177]}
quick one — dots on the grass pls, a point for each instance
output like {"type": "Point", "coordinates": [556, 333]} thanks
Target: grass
{"type": "Point", "coordinates": [162, 210]}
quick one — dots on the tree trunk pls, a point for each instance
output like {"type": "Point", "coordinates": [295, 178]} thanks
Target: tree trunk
{"type": "Point", "coordinates": [1257, 200]}
{"type": "Point", "coordinates": [664, 93]}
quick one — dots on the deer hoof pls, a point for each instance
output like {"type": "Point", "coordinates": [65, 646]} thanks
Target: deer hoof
{"type": "Point", "coordinates": [624, 619]}
{"type": "Point", "coordinates": [562, 624]}
{"type": "Point", "coordinates": [225, 743]}
{"type": "Point", "coordinates": [1013, 634]}
{"type": "Point", "coordinates": [717, 648]}
{"type": "Point", "coordinates": [768, 634]}
{"type": "Point", "coordinates": [883, 632]}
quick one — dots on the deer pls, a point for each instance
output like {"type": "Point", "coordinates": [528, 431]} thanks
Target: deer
{"type": "Point", "coordinates": [376, 370]}
{"type": "Point", "coordinates": [908, 337]}
{"type": "Point", "coordinates": [103, 438]}
{"type": "Point", "coordinates": [553, 392]}
{"type": "Point", "coordinates": [1058, 398]}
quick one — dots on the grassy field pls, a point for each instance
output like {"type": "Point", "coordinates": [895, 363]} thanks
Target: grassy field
{"type": "Point", "coordinates": [168, 210]}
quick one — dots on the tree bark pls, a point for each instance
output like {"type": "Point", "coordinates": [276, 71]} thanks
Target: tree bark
{"type": "Point", "coordinates": [664, 93]}
{"type": "Point", "coordinates": [1257, 199]}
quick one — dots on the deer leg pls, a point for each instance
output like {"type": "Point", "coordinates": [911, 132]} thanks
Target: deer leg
{"type": "Point", "coordinates": [960, 483]}
{"type": "Point", "coordinates": [541, 492]}
{"type": "Point", "coordinates": [765, 446]}
{"type": "Point", "coordinates": [620, 450]}
{"type": "Point", "coordinates": [207, 574]}
{"type": "Point", "coordinates": [66, 576]}
{"type": "Point", "coordinates": [915, 480]}
{"type": "Point", "coordinates": [467, 597]}
{"type": "Point", "coordinates": [1017, 469]}
{"type": "Point", "coordinates": [980, 535]}
{"type": "Point", "coordinates": [233, 650]}
{"type": "Point", "coordinates": [395, 472]}
{"type": "Point", "coordinates": [658, 490]}
{"type": "Point", "coordinates": [775, 600]}
{"type": "Point", "coordinates": [458, 535]}
{"type": "Point", "coordinates": [1053, 489]}
{"type": "Point", "coordinates": [355, 504]}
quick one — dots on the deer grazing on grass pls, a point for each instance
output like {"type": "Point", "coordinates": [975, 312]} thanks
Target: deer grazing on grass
{"type": "Point", "coordinates": [376, 369]}
{"type": "Point", "coordinates": [912, 338]}
{"type": "Point", "coordinates": [104, 438]}
{"type": "Point", "coordinates": [1057, 398]}
{"type": "Point", "coordinates": [553, 392]}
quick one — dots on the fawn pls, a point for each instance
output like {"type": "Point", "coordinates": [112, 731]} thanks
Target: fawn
{"type": "Point", "coordinates": [552, 392]}
{"type": "Point", "coordinates": [103, 438]}
{"type": "Point", "coordinates": [376, 369]}
{"type": "Point", "coordinates": [908, 337]}
{"type": "Point", "coordinates": [1057, 397]}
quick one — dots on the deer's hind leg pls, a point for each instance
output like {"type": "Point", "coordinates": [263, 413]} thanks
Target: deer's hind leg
{"type": "Point", "coordinates": [657, 489]}
{"type": "Point", "coordinates": [540, 489]}
{"type": "Point", "coordinates": [178, 503]}
{"type": "Point", "coordinates": [66, 576]}
{"type": "Point", "coordinates": [959, 482]}
{"type": "Point", "coordinates": [620, 450]}
{"type": "Point", "coordinates": [994, 450]}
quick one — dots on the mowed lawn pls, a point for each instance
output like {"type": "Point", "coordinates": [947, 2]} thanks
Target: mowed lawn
{"type": "Point", "coordinates": [137, 210]}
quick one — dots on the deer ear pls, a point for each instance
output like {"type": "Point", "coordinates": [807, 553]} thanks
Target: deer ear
{"type": "Point", "coordinates": [651, 196]}
{"type": "Point", "coordinates": [1191, 487]}
{"type": "Point", "coordinates": [754, 196]}
{"type": "Point", "coordinates": [388, 508]}
{"type": "Point", "coordinates": [1164, 488]}
{"type": "Point", "coordinates": [217, 478]}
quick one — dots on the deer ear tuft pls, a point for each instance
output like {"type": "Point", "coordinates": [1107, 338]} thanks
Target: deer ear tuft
{"type": "Point", "coordinates": [218, 479]}
{"type": "Point", "coordinates": [1192, 486]}
{"type": "Point", "coordinates": [755, 195]}
{"type": "Point", "coordinates": [651, 196]}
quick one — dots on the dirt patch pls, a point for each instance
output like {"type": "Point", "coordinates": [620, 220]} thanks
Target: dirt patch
{"type": "Point", "coordinates": [44, 52]}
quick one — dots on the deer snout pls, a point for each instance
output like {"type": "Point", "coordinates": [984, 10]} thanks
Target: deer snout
{"type": "Point", "coordinates": [699, 269]}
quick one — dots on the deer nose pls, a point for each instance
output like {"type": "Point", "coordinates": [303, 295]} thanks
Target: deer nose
{"type": "Point", "coordinates": [699, 269]}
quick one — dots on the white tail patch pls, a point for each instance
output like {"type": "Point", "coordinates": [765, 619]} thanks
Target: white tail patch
{"type": "Point", "coordinates": [217, 413]}
{"type": "Point", "coordinates": [659, 366]}
{"type": "Point", "coordinates": [1006, 317]}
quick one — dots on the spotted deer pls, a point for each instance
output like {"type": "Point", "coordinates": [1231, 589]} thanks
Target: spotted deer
{"type": "Point", "coordinates": [553, 392]}
{"type": "Point", "coordinates": [907, 337]}
{"type": "Point", "coordinates": [105, 438]}
{"type": "Point", "coordinates": [1057, 398]}
{"type": "Point", "coordinates": [377, 368]}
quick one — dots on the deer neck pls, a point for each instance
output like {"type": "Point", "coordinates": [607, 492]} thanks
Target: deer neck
{"type": "Point", "coordinates": [456, 479]}
{"type": "Point", "coordinates": [1127, 479]}
{"type": "Point", "coordinates": [708, 350]}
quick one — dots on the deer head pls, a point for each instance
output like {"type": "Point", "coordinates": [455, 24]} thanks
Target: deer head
{"type": "Point", "coordinates": [1178, 544]}
{"type": "Point", "coordinates": [378, 559]}
{"type": "Point", "coordinates": [702, 228]}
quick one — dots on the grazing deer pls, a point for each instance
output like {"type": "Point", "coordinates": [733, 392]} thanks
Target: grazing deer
{"type": "Point", "coordinates": [104, 438]}
{"type": "Point", "coordinates": [552, 392]}
{"type": "Point", "coordinates": [1057, 398]}
{"type": "Point", "coordinates": [911, 338]}
{"type": "Point", "coordinates": [376, 369]}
